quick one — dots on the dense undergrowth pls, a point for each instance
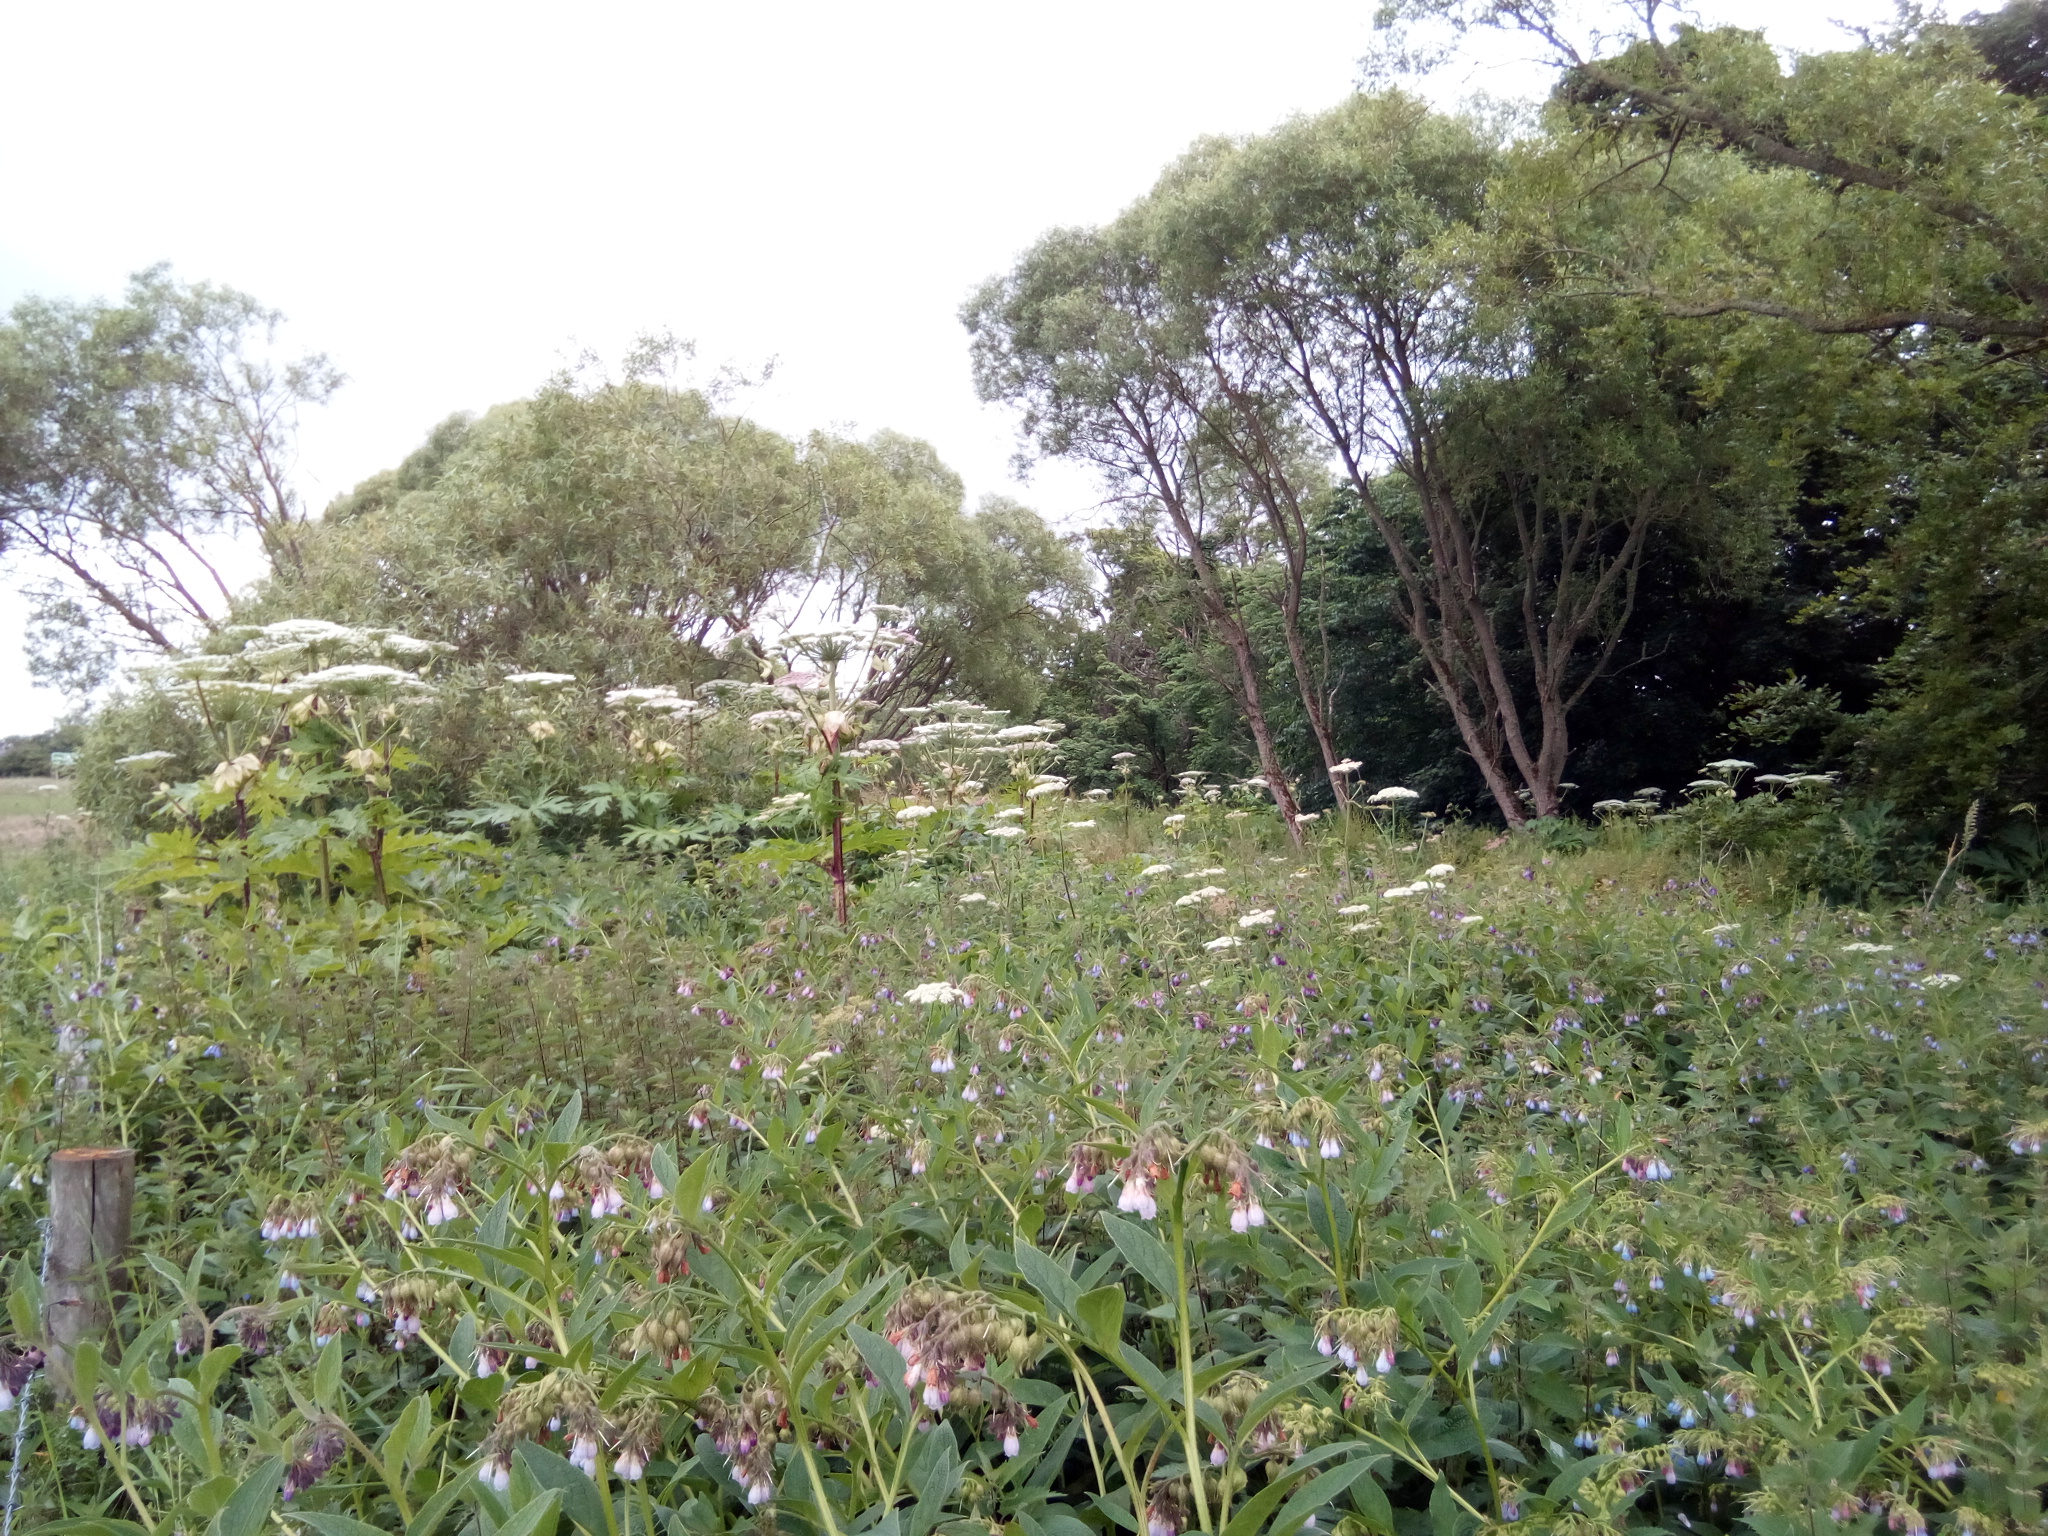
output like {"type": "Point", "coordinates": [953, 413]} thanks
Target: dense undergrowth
{"type": "Point", "coordinates": [1578, 1189]}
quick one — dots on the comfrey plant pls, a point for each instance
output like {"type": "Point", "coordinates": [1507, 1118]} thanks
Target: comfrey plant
{"type": "Point", "coordinates": [1571, 1191]}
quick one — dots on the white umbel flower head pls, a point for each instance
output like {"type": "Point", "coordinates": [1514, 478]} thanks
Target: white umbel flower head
{"type": "Point", "coordinates": [931, 993]}
{"type": "Point", "coordinates": [1225, 941]}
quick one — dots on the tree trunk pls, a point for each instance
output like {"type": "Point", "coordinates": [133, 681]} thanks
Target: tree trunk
{"type": "Point", "coordinates": [1262, 732]}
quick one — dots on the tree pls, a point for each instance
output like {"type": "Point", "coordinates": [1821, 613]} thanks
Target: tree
{"type": "Point", "coordinates": [1081, 336]}
{"type": "Point", "coordinates": [1874, 222]}
{"type": "Point", "coordinates": [135, 440]}
{"type": "Point", "coordinates": [605, 528]}
{"type": "Point", "coordinates": [624, 529]}
{"type": "Point", "coordinates": [1338, 292]}
{"type": "Point", "coordinates": [1871, 190]}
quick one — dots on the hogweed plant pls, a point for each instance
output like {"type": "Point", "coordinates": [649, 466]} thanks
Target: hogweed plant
{"type": "Point", "coordinates": [832, 678]}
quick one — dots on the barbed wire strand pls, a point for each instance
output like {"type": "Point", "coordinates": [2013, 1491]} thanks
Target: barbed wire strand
{"type": "Point", "coordinates": [21, 1414]}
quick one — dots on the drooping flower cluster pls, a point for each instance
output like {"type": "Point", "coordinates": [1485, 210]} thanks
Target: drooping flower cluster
{"type": "Point", "coordinates": [562, 1402]}
{"type": "Point", "coordinates": [636, 1440]}
{"type": "Point", "coordinates": [590, 1182]}
{"type": "Point", "coordinates": [433, 1169]}
{"type": "Point", "coordinates": [321, 1445]}
{"type": "Point", "coordinates": [1227, 1169]}
{"type": "Point", "coordinates": [17, 1364]}
{"type": "Point", "coordinates": [493, 1350]}
{"type": "Point", "coordinates": [130, 1421]}
{"type": "Point", "coordinates": [1315, 1123]}
{"type": "Point", "coordinates": [1087, 1164]}
{"type": "Point", "coordinates": [250, 1326]}
{"type": "Point", "coordinates": [944, 1334]}
{"type": "Point", "coordinates": [1009, 1420]}
{"type": "Point", "coordinates": [1646, 1167]}
{"type": "Point", "coordinates": [1149, 1165]}
{"type": "Point", "coordinates": [664, 1333]}
{"type": "Point", "coordinates": [1363, 1340]}
{"type": "Point", "coordinates": [671, 1252]}
{"type": "Point", "coordinates": [746, 1433]}
{"type": "Point", "coordinates": [408, 1298]}
{"type": "Point", "coordinates": [1232, 1398]}
{"type": "Point", "coordinates": [290, 1216]}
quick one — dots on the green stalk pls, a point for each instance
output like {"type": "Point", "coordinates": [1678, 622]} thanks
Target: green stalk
{"type": "Point", "coordinates": [1189, 1432]}
{"type": "Point", "coordinates": [818, 1486]}
{"type": "Point", "coordinates": [1116, 1445]}
{"type": "Point", "coordinates": [903, 1455]}
{"type": "Point", "coordinates": [858, 1396]}
{"type": "Point", "coordinates": [603, 1479]}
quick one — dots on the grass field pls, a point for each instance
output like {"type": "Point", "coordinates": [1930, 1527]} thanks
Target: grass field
{"type": "Point", "coordinates": [35, 797]}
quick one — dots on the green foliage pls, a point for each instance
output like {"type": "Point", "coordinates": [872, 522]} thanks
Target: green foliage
{"type": "Point", "coordinates": [1037, 1208]}
{"type": "Point", "coordinates": [132, 436]}
{"type": "Point", "coordinates": [21, 756]}
{"type": "Point", "coordinates": [621, 530]}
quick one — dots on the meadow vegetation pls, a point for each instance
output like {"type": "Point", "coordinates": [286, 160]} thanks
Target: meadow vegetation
{"type": "Point", "coordinates": [1115, 1165]}
{"type": "Point", "coordinates": [1470, 959]}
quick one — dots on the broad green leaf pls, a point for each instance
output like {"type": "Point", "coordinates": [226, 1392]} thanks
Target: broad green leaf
{"type": "Point", "coordinates": [1101, 1312]}
{"type": "Point", "coordinates": [578, 1494]}
{"type": "Point", "coordinates": [327, 1523]}
{"type": "Point", "coordinates": [540, 1516]}
{"type": "Point", "coordinates": [665, 1170]}
{"type": "Point", "coordinates": [431, 1513]}
{"type": "Point", "coordinates": [327, 1374]}
{"type": "Point", "coordinates": [933, 1471]}
{"type": "Point", "coordinates": [886, 1362]}
{"type": "Point", "coordinates": [1047, 1276]}
{"type": "Point", "coordinates": [211, 1496]}
{"type": "Point", "coordinates": [563, 1131]}
{"type": "Point", "coordinates": [1145, 1253]}
{"type": "Point", "coordinates": [247, 1510]}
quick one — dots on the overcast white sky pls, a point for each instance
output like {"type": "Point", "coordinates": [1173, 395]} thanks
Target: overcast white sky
{"type": "Point", "coordinates": [451, 200]}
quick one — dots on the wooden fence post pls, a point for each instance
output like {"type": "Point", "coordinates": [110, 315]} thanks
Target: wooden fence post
{"type": "Point", "coordinates": [92, 1203]}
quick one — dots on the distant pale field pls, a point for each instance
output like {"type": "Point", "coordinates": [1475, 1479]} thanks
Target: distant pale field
{"type": "Point", "coordinates": [27, 809]}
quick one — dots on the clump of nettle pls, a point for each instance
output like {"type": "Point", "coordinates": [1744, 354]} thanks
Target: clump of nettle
{"type": "Point", "coordinates": [1462, 1184]}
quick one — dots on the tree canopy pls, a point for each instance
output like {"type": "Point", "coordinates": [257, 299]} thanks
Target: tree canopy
{"type": "Point", "coordinates": [624, 530]}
